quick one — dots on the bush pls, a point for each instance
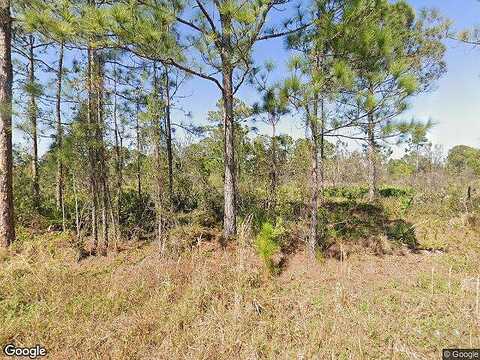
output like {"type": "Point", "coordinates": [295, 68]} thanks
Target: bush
{"type": "Point", "coordinates": [347, 192]}
{"type": "Point", "coordinates": [400, 168]}
{"type": "Point", "coordinates": [387, 192]}
{"type": "Point", "coordinates": [268, 246]}
{"type": "Point", "coordinates": [403, 233]}
{"type": "Point", "coordinates": [185, 237]}
{"type": "Point", "coordinates": [137, 214]}
{"type": "Point", "coordinates": [358, 192]}
{"type": "Point", "coordinates": [200, 217]}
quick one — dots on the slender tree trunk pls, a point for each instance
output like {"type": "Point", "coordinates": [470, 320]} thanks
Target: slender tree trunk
{"type": "Point", "coordinates": [92, 152]}
{"type": "Point", "coordinates": [157, 132]}
{"type": "Point", "coordinates": [229, 221]}
{"type": "Point", "coordinates": [33, 124]}
{"type": "Point", "coordinates": [77, 210]}
{"type": "Point", "coordinates": [60, 175]}
{"type": "Point", "coordinates": [139, 152]}
{"type": "Point", "coordinates": [317, 165]}
{"type": "Point", "coordinates": [102, 163]}
{"type": "Point", "coordinates": [118, 161]}
{"type": "Point", "coordinates": [105, 210]}
{"type": "Point", "coordinates": [322, 145]}
{"type": "Point", "coordinates": [229, 192]}
{"type": "Point", "coordinates": [372, 159]}
{"type": "Point", "coordinates": [416, 173]}
{"type": "Point", "coordinates": [314, 182]}
{"type": "Point", "coordinates": [7, 228]}
{"type": "Point", "coordinates": [274, 173]}
{"type": "Point", "coordinates": [159, 186]}
{"type": "Point", "coordinates": [168, 128]}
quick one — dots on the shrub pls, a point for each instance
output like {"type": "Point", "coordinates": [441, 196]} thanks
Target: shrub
{"type": "Point", "coordinates": [347, 192]}
{"type": "Point", "coordinates": [268, 246]}
{"type": "Point", "coordinates": [403, 233]}
{"type": "Point", "coordinates": [185, 237]}
{"type": "Point", "coordinates": [200, 217]}
{"type": "Point", "coordinates": [137, 214]}
{"type": "Point", "coordinates": [387, 192]}
{"type": "Point", "coordinates": [400, 168]}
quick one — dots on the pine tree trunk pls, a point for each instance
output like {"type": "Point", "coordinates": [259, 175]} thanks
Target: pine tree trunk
{"type": "Point", "coordinates": [139, 152]}
{"type": "Point", "coordinates": [158, 151]}
{"type": "Point", "coordinates": [77, 210]}
{"type": "Point", "coordinates": [274, 175]}
{"type": "Point", "coordinates": [157, 131]}
{"type": "Point", "coordinates": [60, 175]}
{"type": "Point", "coordinates": [317, 168]}
{"type": "Point", "coordinates": [229, 192]}
{"type": "Point", "coordinates": [159, 187]}
{"type": "Point", "coordinates": [7, 228]}
{"type": "Point", "coordinates": [169, 138]}
{"type": "Point", "coordinates": [33, 124]}
{"type": "Point", "coordinates": [314, 184]}
{"type": "Point", "coordinates": [118, 162]}
{"type": "Point", "coordinates": [103, 192]}
{"type": "Point", "coordinates": [92, 152]}
{"type": "Point", "coordinates": [105, 210]}
{"type": "Point", "coordinates": [230, 214]}
{"type": "Point", "coordinates": [322, 145]}
{"type": "Point", "coordinates": [372, 160]}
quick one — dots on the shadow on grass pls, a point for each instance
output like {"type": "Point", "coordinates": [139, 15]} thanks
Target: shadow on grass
{"type": "Point", "coordinates": [354, 222]}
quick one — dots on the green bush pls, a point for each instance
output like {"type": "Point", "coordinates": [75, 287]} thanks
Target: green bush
{"type": "Point", "coordinates": [137, 214]}
{"type": "Point", "coordinates": [403, 233]}
{"type": "Point", "coordinates": [400, 168]}
{"type": "Point", "coordinates": [267, 244]}
{"type": "Point", "coordinates": [200, 217]}
{"type": "Point", "coordinates": [347, 192]}
{"type": "Point", "coordinates": [358, 192]}
{"type": "Point", "coordinates": [387, 192]}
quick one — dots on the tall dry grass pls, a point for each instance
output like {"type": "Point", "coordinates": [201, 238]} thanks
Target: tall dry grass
{"type": "Point", "coordinates": [216, 302]}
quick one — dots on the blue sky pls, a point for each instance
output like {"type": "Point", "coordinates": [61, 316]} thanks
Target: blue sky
{"type": "Point", "coordinates": [454, 105]}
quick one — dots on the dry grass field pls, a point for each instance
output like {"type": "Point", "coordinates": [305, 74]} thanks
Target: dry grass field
{"type": "Point", "coordinates": [217, 302]}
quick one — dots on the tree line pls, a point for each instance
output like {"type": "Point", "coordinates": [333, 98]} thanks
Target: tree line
{"type": "Point", "coordinates": [104, 78]}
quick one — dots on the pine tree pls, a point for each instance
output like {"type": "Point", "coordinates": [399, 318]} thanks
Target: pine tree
{"type": "Point", "coordinates": [396, 56]}
{"type": "Point", "coordinates": [60, 186]}
{"type": "Point", "coordinates": [54, 20]}
{"type": "Point", "coordinates": [225, 45]}
{"type": "Point", "coordinates": [273, 105]}
{"type": "Point", "coordinates": [7, 229]}
{"type": "Point", "coordinates": [27, 47]}
{"type": "Point", "coordinates": [319, 72]}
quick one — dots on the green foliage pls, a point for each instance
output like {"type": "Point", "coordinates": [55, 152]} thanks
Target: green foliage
{"type": "Point", "coordinates": [357, 223]}
{"type": "Point", "coordinates": [358, 192]}
{"type": "Point", "coordinates": [408, 83]}
{"type": "Point", "coordinates": [400, 168]}
{"type": "Point", "coordinates": [199, 217]}
{"type": "Point", "coordinates": [403, 233]}
{"type": "Point", "coordinates": [399, 55]}
{"type": "Point", "coordinates": [395, 192]}
{"type": "Point", "coordinates": [462, 157]}
{"type": "Point", "coordinates": [347, 192]}
{"type": "Point", "coordinates": [137, 214]}
{"type": "Point", "coordinates": [26, 212]}
{"type": "Point", "coordinates": [267, 243]}
{"type": "Point", "coordinates": [344, 73]}
{"type": "Point", "coordinates": [352, 221]}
